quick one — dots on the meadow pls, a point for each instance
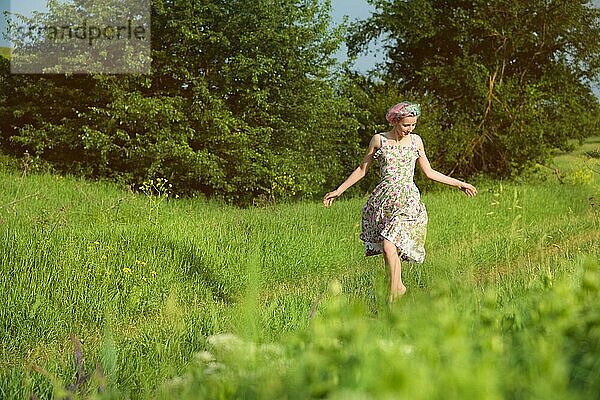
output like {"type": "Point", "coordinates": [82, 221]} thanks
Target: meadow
{"type": "Point", "coordinates": [109, 294]}
{"type": "Point", "coordinates": [5, 52]}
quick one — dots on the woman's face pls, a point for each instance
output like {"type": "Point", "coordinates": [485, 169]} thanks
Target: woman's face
{"type": "Point", "coordinates": [406, 125]}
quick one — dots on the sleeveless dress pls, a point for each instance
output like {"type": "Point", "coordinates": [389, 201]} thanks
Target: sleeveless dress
{"type": "Point", "coordinates": [394, 210]}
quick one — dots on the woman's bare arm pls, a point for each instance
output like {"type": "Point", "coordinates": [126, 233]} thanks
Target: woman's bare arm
{"type": "Point", "coordinates": [357, 174]}
{"type": "Point", "coordinates": [434, 175]}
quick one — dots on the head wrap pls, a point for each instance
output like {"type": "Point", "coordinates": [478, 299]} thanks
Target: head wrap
{"type": "Point", "coordinates": [401, 110]}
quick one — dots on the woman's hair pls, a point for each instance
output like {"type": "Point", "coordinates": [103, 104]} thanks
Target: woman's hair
{"type": "Point", "coordinates": [401, 110]}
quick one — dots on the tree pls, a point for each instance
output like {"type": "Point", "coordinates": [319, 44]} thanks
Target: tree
{"type": "Point", "coordinates": [240, 104]}
{"type": "Point", "coordinates": [507, 76]}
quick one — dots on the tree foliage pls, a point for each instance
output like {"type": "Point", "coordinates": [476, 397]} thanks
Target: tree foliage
{"type": "Point", "coordinates": [241, 104]}
{"type": "Point", "coordinates": [509, 79]}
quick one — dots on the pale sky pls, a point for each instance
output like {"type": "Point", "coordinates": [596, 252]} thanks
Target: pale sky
{"type": "Point", "coordinates": [25, 7]}
{"type": "Point", "coordinates": [355, 10]}
{"type": "Point", "coordinates": [4, 6]}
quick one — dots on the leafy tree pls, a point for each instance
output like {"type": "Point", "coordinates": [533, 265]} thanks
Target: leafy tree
{"type": "Point", "coordinates": [511, 79]}
{"type": "Point", "coordinates": [241, 104]}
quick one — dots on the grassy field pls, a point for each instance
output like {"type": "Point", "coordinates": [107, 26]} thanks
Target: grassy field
{"type": "Point", "coordinates": [5, 52]}
{"type": "Point", "coordinates": [110, 294]}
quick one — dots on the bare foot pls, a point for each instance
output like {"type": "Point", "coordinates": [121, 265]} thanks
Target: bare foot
{"type": "Point", "coordinates": [396, 294]}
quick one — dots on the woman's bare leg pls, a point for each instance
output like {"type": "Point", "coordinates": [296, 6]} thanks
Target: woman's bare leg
{"type": "Point", "coordinates": [390, 253]}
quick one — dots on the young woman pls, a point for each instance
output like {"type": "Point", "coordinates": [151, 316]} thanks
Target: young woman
{"type": "Point", "coordinates": [394, 220]}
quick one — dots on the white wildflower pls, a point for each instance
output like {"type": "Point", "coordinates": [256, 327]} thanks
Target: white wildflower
{"type": "Point", "coordinates": [204, 357]}
{"type": "Point", "coordinates": [225, 341]}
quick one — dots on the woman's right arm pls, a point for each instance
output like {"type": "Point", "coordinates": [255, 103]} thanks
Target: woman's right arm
{"type": "Point", "coordinates": [357, 174]}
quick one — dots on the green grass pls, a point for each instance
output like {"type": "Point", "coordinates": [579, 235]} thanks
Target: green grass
{"type": "Point", "coordinates": [5, 52]}
{"type": "Point", "coordinates": [192, 299]}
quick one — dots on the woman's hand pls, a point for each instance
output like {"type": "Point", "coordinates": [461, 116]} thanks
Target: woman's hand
{"type": "Point", "coordinates": [330, 197]}
{"type": "Point", "coordinates": [469, 189]}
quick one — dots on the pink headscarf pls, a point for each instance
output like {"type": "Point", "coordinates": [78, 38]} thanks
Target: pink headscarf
{"type": "Point", "coordinates": [401, 110]}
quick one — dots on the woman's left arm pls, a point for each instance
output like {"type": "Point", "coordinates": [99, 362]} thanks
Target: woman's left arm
{"type": "Point", "coordinates": [434, 175]}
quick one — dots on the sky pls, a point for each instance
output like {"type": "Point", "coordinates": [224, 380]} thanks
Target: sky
{"type": "Point", "coordinates": [356, 10]}
{"type": "Point", "coordinates": [4, 6]}
{"type": "Point", "coordinates": [22, 6]}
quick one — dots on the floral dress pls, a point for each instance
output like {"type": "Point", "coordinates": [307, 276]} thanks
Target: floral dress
{"type": "Point", "coordinates": [394, 210]}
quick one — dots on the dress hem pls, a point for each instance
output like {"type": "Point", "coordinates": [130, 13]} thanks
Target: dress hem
{"type": "Point", "coordinates": [376, 248]}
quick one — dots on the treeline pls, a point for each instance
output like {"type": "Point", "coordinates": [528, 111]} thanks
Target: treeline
{"type": "Point", "coordinates": [245, 100]}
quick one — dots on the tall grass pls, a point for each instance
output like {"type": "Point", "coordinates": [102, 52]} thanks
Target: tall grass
{"type": "Point", "coordinates": [192, 299]}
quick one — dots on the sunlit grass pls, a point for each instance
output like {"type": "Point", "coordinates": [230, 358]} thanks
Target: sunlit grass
{"type": "Point", "coordinates": [5, 52]}
{"type": "Point", "coordinates": [147, 283]}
